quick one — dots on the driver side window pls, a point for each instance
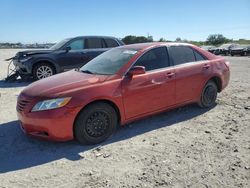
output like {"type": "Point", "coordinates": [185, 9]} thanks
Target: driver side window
{"type": "Point", "coordinates": [77, 45]}
{"type": "Point", "coordinates": [154, 59]}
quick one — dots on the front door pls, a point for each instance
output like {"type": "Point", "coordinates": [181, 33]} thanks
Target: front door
{"type": "Point", "coordinates": [152, 91]}
{"type": "Point", "coordinates": [74, 57]}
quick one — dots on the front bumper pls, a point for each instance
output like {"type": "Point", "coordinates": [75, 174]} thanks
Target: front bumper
{"type": "Point", "coordinates": [54, 124]}
{"type": "Point", "coordinates": [22, 68]}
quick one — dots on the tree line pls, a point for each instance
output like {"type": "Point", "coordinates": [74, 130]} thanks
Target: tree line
{"type": "Point", "coordinates": [213, 39]}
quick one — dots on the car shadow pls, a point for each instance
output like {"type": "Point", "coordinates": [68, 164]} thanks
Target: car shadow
{"type": "Point", "coordinates": [18, 151]}
{"type": "Point", "coordinates": [14, 84]}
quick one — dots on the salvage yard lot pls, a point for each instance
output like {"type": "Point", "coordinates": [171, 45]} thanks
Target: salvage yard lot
{"type": "Point", "coordinates": [187, 147]}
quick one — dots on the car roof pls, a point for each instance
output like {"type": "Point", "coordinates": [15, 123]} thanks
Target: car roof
{"type": "Point", "coordinates": [144, 46]}
{"type": "Point", "coordinates": [93, 36]}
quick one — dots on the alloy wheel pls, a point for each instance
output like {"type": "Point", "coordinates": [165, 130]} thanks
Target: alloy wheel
{"type": "Point", "coordinates": [44, 72]}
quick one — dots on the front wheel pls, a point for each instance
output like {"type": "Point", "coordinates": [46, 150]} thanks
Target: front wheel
{"type": "Point", "coordinates": [95, 123]}
{"type": "Point", "coordinates": [43, 70]}
{"type": "Point", "coordinates": [208, 95]}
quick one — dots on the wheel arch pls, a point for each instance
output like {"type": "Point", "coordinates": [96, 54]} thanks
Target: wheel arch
{"type": "Point", "coordinates": [44, 61]}
{"type": "Point", "coordinates": [107, 101]}
{"type": "Point", "coordinates": [217, 80]}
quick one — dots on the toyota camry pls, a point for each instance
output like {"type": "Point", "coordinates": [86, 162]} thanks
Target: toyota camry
{"type": "Point", "coordinates": [119, 86]}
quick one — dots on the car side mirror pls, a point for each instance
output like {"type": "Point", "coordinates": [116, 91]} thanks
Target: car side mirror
{"type": "Point", "coordinates": [67, 49]}
{"type": "Point", "coordinates": [137, 70]}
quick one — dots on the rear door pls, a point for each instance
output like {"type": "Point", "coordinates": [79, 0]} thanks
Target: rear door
{"type": "Point", "coordinates": [191, 69]}
{"type": "Point", "coordinates": [94, 46]}
{"type": "Point", "coordinates": [152, 91]}
{"type": "Point", "coordinates": [110, 43]}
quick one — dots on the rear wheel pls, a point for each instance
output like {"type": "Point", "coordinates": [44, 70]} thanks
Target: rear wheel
{"type": "Point", "coordinates": [43, 70]}
{"type": "Point", "coordinates": [208, 95]}
{"type": "Point", "coordinates": [95, 123]}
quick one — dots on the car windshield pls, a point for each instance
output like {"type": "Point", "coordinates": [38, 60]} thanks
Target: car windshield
{"type": "Point", "coordinates": [110, 62]}
{"type": "Point", "coordinates": [59, 44]}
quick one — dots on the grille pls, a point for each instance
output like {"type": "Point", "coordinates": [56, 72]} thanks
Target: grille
{"type": "Point", "coordinates": [21, 104]}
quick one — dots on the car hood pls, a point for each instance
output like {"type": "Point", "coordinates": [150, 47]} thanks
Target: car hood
{"type": "Point", "coordinates": [62, 83]}
{"type": "Point", "coordinates": [32, 52]}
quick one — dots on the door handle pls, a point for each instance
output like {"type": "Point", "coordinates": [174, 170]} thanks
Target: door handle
{"type": "Point", "coordinates": [157, 83]}
{"type": "Point", "coordinates": [170, 74]}
{"type": "Point", "coordinates": [206, 66]}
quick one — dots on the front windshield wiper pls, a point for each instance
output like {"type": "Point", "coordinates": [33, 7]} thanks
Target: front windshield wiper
{"type": "Point", "coordinates": [87, 71]}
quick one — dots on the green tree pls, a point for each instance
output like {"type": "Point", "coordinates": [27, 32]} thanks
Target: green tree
{"type": "Point", "coordinates": [216, 39]}
{"type": "Point", "coordinates": [162, 40]}
{"type": "Point", "coordinates": [178, 39]}
{"type": "Point", "coordinates": [150, 38]}
{"type": "Point", "coordinates": [130, 39]}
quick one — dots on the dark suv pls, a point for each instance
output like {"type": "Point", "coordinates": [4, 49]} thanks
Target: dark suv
{"type": "Point", "coordinates": [66, 55]}
{"type": "Point", "coordinates": [224, 49]}
{"type": "Point", "coordinates": [242, 50]}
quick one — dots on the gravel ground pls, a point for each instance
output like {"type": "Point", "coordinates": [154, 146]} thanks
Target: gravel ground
{"type": "Point", "coordinates": [186, 147]}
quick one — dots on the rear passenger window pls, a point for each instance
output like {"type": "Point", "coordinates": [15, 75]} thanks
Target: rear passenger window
{"type": "Point", "coordinates": [111, 43]}
{"type": "Point", "coordinates": [154, 59]}
{"type": "Point", "coordinates": [198, 56]}
{"type": "Point", "coordinates": [181, 54]}
{"type": "Point", "coordinates": [94, 43]}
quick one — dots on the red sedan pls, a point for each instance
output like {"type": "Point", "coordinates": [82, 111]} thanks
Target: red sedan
{"type": "Point", "coordinates": [120, 86]}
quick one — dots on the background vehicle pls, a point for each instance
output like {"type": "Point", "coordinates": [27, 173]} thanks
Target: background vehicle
{"type": "Point", "coordinates": [209, 48]}
{"type": "Point", "coordinates": [66, 55]}
{"type": "Point", "coordinates": [224, 49]}
{"type": "Point", "coordinates": [120, 86]}
{"type": "Point", "coordinates": [242, 50]}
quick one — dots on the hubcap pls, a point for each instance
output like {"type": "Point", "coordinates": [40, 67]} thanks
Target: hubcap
{"type": "Point", "coordinates": [97, 124]}
{"type": "Point", "coordinates": [209, 95]}
{"type": "Point", "coordinates": [44, 72]}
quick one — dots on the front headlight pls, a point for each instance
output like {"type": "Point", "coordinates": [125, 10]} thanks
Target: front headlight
{"type": "Point", "coordinates": [50, 104]}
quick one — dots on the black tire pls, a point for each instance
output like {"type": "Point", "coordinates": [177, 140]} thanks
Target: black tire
{"type": "Point", "coordinates": [95, 123]}
{"type": "Point", "coordinates": [49, 70]}
{"type": "Point", "coordinates": [208, 95]}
